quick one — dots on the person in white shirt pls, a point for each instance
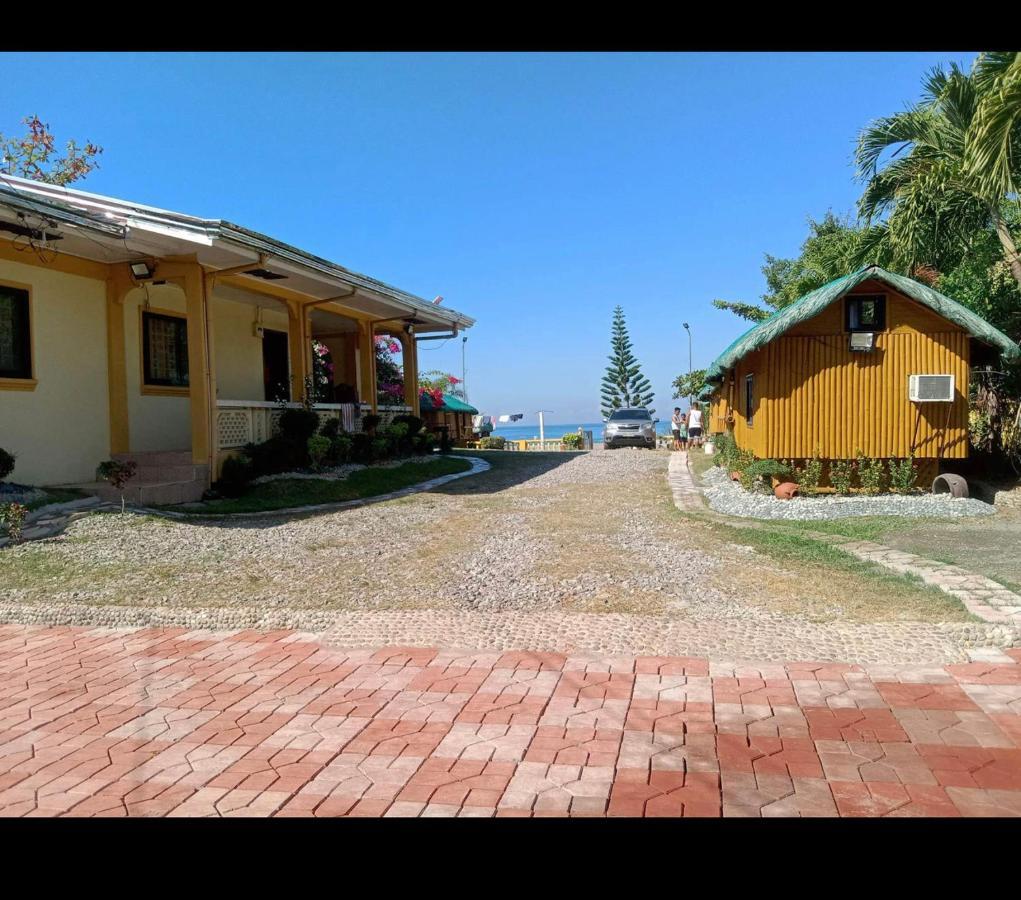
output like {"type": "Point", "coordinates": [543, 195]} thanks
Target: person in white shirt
{"type": "Point", "coordinates": [676, 424]}
{"type": "Point", "coordinates": [695, 425]}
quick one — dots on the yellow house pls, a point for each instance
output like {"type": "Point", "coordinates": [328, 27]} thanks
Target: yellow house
{"type": "Point", "coordinates": [872, 362]}
{"type": "Point", "coordinates": [132, 331]}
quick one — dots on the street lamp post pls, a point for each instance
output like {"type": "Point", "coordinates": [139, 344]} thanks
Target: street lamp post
{"type": "Point", "coordinates": [464, 376]}
{"type": "Point", "coordinates": [687, 328]}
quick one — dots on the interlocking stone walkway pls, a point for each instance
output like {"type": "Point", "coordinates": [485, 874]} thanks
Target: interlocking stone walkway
{"type": "Point", "coordinates": [171, 722]}
{"type": "Point", "coordinates": [687, 496]}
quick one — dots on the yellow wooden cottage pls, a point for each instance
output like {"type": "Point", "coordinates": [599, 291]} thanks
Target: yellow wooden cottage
{"type": "Point", "coordinates": [127, 330]}
{"type": "Point", "coordinates": [872, 362]}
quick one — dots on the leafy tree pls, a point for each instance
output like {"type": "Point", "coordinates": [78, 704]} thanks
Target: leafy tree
{"type": "Point", "coordinates": [624, 385]}
{"type": "Point", "coordinates": [689, 385]}
{"type": "Point", "coordinates": [825, 255]}
{"type": "Point", "coordinates": [35, 155]}
{"type": "Point", "coordinates": [923, 204]}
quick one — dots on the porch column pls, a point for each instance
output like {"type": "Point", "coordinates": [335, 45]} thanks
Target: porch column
{"type": "Point", "coordinates": [409, 354]}
{"type": "Point", "coordinates": [201, 377]}
{"type": "Point", "coordinates": [299, 339]}
{"type": "Point", "coordinates": [117, 287]}
{"type": "Point", "coordinates": [367, 364]}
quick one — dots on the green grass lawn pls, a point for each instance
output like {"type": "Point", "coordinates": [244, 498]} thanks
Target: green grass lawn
{"type": "Point", "coordinates": [289, 492]}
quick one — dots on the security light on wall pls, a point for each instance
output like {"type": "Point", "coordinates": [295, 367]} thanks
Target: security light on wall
{"type": "Point", "coordinates": [863, 341]}
{"type": "Point", "coordinates": [142, 270]}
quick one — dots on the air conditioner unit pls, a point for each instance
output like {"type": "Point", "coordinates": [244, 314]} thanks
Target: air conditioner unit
{"type": "Point", "coordinates": [931, 388]}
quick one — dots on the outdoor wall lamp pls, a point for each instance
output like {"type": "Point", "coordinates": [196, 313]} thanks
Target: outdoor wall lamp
{"type": "Point", "coordinates": [409, 329]}
{"type": "Point", "coordinates": [142, 270]}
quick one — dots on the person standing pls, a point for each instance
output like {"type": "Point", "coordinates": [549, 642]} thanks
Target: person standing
{"type": "Point", "coordinates": [676, 421]}
{"type": "Point", "coordinates": [695, 425]}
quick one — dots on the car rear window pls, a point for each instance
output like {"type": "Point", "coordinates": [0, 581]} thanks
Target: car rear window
{"type": "Point", "coordinates": [622, 414]}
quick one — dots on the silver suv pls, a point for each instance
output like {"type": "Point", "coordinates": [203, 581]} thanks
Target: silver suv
{"type": "Point", "coordinates": [630, 427]}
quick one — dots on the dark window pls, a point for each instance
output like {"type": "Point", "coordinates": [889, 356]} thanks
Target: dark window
{"type": "Point", "coordinates": [749, 397]}
{"type": "Point", "coordinates": [623, 415]}
{"type": "Point", "coordinates": [276, 374]}
{"type": "Point", "coordinates": [165, 350]}
{"type": "Point", "coordinates": [866, 313]}
{"type": "Point", "coordinates": [15, 336]}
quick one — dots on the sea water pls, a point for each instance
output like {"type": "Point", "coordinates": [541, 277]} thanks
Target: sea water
{"type": "Point", "coordinates": [531, 432]}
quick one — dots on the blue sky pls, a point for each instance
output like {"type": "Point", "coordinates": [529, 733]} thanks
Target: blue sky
{"type": "Point", "coordinates": [533, 191]}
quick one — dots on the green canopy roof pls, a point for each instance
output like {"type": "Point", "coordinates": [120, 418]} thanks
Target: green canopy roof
{"type": "Point", "coordinates": [816, 301]}
{"type": "Point", "coordinates": [450, 404]}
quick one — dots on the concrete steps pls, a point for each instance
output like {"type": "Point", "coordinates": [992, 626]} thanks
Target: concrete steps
{"type": "Point", "coordinates": [162, 478]}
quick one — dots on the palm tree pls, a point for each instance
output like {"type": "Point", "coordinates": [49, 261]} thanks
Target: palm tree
{"type": "Point", "coordinates": [922, 207]}
{"type": "Point", "coordinates": [992, 152]}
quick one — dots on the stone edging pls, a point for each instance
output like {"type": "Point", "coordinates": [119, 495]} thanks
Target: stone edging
{"type": "Point", "coordinates": [477, 466]}
{"type": "Point", "coordinates": [981, 596]}
{"type": "Point", "coordinates": [48, 521]}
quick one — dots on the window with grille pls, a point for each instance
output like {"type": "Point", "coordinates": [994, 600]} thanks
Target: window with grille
{"type": "Point", "coordinates": [165, 350]}
{"type": "Point", "coordinates": [15, 334]}
{"type": "Point", "coordinates": [866, 312]}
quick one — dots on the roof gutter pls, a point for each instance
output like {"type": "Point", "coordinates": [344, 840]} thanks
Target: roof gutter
{"type": "Point", "coordinates": [345, 276]}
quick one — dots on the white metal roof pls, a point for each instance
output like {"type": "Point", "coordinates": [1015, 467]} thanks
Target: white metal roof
{"type": "Point", "coordinates": [106, 229]}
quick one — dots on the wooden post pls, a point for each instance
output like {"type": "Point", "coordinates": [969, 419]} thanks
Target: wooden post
{"type": "Point", "coordinates": [299, 343]}
{"type": "Point", "coordinates": [409, 353]}
{"type": "Point", "coordinates": [366, 365]}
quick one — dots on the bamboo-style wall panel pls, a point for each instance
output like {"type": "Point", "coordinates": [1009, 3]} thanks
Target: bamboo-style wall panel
{"type": "Point", "coordinates": [813, 395]}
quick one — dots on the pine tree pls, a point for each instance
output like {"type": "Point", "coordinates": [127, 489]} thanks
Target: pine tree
{"type": "Point", "coordinates": [624, 385]}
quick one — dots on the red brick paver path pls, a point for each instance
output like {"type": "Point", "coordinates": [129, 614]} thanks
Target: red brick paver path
{"type": "Point", "coordinates": [171, 722]}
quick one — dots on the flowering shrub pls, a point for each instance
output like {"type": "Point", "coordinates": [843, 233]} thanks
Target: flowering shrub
{"type": "Point", "coordinates": [434, 394]}
{"type": "Point", "coordinates": [12, 518]}
{"type": "Point", "coordinates": [322, 372]}
{"type": "Point", "coordinates": [389, 375]}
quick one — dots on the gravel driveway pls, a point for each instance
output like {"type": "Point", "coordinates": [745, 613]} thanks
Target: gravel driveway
{"type": "Point", "coordinates": [545, 551]}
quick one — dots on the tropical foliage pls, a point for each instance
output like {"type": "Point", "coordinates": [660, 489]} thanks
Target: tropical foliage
{"type": "Point", "coordinates": [34, 155]}
{"type": "Point", "coordinates": [942, 171]}
{"type": "Point", "coordinates": [689, 384]}
{"type": "Point", "coordinates": [389, 374]}
{"type": "Point", "coordinates": [624, 385]}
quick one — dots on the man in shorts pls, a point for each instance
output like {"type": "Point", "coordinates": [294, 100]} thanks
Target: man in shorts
{"type": "Point", "coordinates": [695, 425]}
{"type": "Point", "coordinates": [676, 425]}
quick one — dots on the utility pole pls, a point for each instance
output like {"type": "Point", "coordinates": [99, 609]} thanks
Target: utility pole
{"type": "Point", "coordinates": [464, 371]}
{"type": "Point", "coordinates": [687, 328]}
{"type": "Point", "coordinates": [542, 427]}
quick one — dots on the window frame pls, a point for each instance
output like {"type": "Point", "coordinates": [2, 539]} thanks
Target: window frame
{"type": "Point", "coordinates": [156, 388]}
{"type": "Point", "coordinates": [851, 299]}
{"type": "Point", "coordinates": [22, 382]}
{"type": "Point", "coordinates": [749, 399]}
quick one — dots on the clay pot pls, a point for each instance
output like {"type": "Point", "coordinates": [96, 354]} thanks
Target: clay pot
{"type": "Point", "coordinates": [735, 476]}
{"type": "Point", "coordinates": [785, 491]}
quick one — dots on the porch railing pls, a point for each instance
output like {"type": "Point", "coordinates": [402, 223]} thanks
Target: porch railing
{"type": "Point", "coordinates": [240, 422]}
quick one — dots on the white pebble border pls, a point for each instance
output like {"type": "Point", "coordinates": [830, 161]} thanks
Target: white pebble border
{"type": "Point", "coordinates": [729, 497]}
